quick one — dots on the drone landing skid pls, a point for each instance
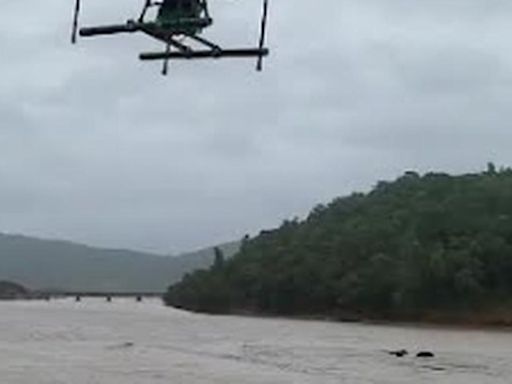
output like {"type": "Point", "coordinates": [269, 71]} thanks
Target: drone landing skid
{"type": "Point", "coordinates": [193, 54]}
{"type": "Point", "coordinates": [205, 54]}
{"type": "Point", "coordinates": [182, 52]}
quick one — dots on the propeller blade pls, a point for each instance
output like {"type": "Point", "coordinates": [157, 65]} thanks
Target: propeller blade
{"type": "Point", "coordinates": [259, 66]}
{"type": "Point", "coordinates": [75, 22]}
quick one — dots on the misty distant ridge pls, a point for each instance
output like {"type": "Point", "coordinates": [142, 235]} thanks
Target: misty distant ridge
{"type": "Point", "coordinates": [63, 265]}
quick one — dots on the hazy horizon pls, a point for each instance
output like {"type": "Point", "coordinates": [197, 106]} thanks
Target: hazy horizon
{"type": "Point", "coordinates": [206, 246]}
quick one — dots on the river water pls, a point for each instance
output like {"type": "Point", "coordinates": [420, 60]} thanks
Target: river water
{"type": "Point", "coordinates": [126, 342]}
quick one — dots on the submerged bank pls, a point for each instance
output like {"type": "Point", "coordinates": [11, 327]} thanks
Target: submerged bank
{"type": "Point", "coordinates": [498, 319]}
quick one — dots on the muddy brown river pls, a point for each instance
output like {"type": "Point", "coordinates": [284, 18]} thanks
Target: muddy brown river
{"type": "Point", "coordinates": [126, 342]}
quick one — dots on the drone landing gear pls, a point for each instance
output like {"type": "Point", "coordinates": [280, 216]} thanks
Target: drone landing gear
{"type": "Point", "coordinates": [213, 52]}
{"type": "Point", "coordinates": [165, 68]}
{"type": "Point", "coordinates": [214, 47]}
{"type": "Point", "coordinates": [205, 54]}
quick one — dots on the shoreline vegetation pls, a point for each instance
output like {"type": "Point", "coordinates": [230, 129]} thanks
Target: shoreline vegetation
{"type": "Point", "coordinates": [433, 248]}
{"type": "Point", "coordinates": [14, 291]}
{"type": "Point", "coordinates": [11, 291]}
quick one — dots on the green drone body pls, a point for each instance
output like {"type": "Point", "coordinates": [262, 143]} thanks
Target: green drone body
{"type": "Point", "coordinates": [183, 13]}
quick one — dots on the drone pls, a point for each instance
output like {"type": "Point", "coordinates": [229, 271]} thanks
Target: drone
{"type": "Point", "coordinates": [177, 24]}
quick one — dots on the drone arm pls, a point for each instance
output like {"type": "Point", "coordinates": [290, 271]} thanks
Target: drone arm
{"type": "Point", "coordinates": [109, 30]}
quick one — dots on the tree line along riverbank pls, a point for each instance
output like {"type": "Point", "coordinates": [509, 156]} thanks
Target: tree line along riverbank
{"type": "Point", "coordinates": [433, 247]}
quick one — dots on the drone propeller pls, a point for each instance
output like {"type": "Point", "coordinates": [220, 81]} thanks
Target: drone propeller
{"type": "Point", "coordinates": [263, 32]}
{"type": "Point", "coordinates": [75, 22]}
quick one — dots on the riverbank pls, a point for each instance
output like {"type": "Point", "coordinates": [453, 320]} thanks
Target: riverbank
{"type": "Point", "coordinates": [490, 319]}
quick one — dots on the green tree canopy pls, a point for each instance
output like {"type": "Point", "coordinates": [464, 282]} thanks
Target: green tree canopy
{"type": "Point", "coordinates": [421, 243]}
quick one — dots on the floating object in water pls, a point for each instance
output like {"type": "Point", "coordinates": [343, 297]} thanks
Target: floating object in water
{"type": "Point", "coordinates": [128, 344]}
{"type": "Point", "coordinates": [433, 368]}
{"type": "Point", "coordinates": [424, 354]}
{"type": "Point", "coordinates": [399, 353]}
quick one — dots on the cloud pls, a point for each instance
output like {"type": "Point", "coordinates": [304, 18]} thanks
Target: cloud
{"type": "Point", "coordinates": [98, 147]}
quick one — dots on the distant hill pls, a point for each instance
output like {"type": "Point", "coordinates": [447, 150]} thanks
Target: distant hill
{"type": "Point", "coordinates": [431, 246]}
{"type": "Point", "coordinates": [59, 265]}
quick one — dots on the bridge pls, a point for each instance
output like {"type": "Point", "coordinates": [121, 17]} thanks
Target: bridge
{"type": "Point", "coordinates": [108, 296]}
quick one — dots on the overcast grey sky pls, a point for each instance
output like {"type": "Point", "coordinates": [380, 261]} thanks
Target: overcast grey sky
{"type": "Point", "coordinates": [98, 147]}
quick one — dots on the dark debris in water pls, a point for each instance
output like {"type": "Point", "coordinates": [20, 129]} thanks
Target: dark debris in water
{"type": "Point", "coordinates": [125, 345]}
{"type": "Point", "coordinates": [434, 368]}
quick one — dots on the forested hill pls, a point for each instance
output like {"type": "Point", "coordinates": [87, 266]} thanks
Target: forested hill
{"type": "Point", "coordinates": [431, 245]}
